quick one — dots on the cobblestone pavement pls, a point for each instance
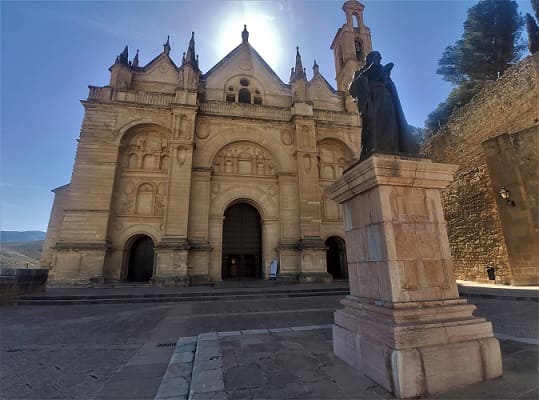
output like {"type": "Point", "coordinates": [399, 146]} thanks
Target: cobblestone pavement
{"type": "Point", "coordinates": [123, 350]}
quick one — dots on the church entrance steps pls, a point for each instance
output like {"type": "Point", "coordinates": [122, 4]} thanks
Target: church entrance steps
{"type": "Point", "coordinates": [153, 295]}
{"type": "Point", "coordinates": [234, 290]}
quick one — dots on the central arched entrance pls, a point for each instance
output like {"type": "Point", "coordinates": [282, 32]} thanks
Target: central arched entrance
{"type": "Point", "coordinates": [141, 258]}
{"type": "Point", "coordinates": [242, 243]}
{"type": "Point", "coordinates": [336, 257]}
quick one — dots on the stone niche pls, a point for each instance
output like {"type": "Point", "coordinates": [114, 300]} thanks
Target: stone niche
{"type": "Point", "coordinates": [403, 324]}
{"type": "Point", "coordinates": [141, 183]}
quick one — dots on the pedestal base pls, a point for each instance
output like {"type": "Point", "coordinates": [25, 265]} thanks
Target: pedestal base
{"type": "Point", "coordinates": [417, 349]}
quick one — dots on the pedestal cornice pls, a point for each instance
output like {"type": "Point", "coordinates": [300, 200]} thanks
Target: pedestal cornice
{"type": "Point", "coordinates": [393, 170]}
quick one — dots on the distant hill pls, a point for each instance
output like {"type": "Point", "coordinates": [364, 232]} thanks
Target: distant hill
{"type": "Point", "coordinates": [21, 236]}
{"type": "Point", "coordinates": [18, 255]}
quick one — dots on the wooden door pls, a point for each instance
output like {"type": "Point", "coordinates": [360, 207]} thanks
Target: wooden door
{"type": "Point", "coordinates": [242, 243]}
{"type": "Point", "coordinates": [141, 259]}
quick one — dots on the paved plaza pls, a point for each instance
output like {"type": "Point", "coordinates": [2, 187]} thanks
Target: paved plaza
{"type": "Point", "coordinates": [125, 351]}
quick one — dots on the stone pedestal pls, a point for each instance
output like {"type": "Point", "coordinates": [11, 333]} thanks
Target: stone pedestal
{"type": "Point", "coordinates": [403, 324]}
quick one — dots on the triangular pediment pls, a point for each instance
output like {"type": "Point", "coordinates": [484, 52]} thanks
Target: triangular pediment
{"type": "Point", "coordinates": [245, 61]}
{"type": "Point", "coordinates": [320, 87]}
{"type": "Point", "coordinates": [161, 69]}
{"type": "Point", "coordinates": [323, 95]}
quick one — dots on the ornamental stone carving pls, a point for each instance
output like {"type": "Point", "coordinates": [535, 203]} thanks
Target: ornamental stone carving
{"type": "Point", "coordinates": [334, 157]}
{"type": "Point", "coordinates": [244, 158]}
{"type": "Point", "coordinates": [181, 155]}
{"type": "Point", "coordinates": [144, 198]}
{"type": "Point", "coordinates": [147, 150]}
{"type": "Point", "coordinates": [286, 137]}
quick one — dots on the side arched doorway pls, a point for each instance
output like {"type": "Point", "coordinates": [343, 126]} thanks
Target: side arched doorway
{"type": "Point", "coordinates": [336, 263]}
{"type": "Point", "coordinates": [242, 243]}
{"type": "Point", "coordinates": [140, 259]}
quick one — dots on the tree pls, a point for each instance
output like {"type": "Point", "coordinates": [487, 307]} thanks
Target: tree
{"type": "Point", "coordinates": [489, 45]}
{"type": "Point", "coordinates": [533, 29]}
{"type": "Point", "coordinates": [458, 97]}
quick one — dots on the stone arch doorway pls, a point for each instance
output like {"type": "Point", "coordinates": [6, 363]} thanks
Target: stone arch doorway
{"type": "Point", "coordinates": [140, 261]}
{"type": "Point", "coordinates": [242, 243]}
{"type": "Point", "coordinates": [336, 263]}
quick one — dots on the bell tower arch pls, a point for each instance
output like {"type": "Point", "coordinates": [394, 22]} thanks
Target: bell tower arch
{"type": "Point", "coordinates": [351, 44]}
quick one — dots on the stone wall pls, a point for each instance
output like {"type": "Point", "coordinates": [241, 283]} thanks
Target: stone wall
{"type": "Point", "coordinates": [507, 106]}
{"type": "Point", "coordinates": [17, 281]}
{"type": "Point", "coordinates": [513, 164]}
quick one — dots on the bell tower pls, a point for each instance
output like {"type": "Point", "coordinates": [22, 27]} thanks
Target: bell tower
{"type": "Point", "coordinates": [351, 44]}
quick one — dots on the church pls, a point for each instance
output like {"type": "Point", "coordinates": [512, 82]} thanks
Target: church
{"type": "Point", "coordinates": [184, 177]}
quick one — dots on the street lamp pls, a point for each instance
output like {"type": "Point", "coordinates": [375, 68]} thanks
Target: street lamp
{"type": "Point", "coordinates": [504, 194]}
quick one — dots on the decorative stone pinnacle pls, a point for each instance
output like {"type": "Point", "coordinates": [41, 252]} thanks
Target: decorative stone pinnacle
{"type": "Point", "coordinates": [166, 46]}
{"type": "Point", "coordinates": [245, 34]}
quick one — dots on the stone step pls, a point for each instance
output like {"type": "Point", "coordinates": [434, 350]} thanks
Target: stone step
{"type": "Point", "coordinates": [175, 298]}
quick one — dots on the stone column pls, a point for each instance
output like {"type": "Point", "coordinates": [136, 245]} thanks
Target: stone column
{"type": "Point", "coordinates": [199, 254]}
{"type": "Point", "coordinates": [403, 324]}
{"type": "Point", "coordinates": [172, 252]}
{"type": "Point", "coordinates": [311, 245]}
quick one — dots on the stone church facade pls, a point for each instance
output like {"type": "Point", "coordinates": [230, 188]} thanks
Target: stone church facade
{"type": "Point", "coordinates": [183, 176]}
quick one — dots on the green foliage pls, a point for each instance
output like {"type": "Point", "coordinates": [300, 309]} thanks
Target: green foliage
{"type": "Point", "coordinates": [535, 7]}
{"type": "Point", "coordinates": [532, 28]}
{"type": "Point", "coordinates": [417, 135]}
{"type": "Point", "coordinates": [458, 97]}
{"type": "Point", "coordinates": [489, 44]}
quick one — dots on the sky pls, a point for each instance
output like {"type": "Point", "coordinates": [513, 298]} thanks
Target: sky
{"type": "Point", "coordinates": [52, 51]}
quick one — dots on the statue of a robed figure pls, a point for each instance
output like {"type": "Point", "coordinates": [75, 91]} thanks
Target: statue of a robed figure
{"type": "Point", "coordinates": [384, 127]}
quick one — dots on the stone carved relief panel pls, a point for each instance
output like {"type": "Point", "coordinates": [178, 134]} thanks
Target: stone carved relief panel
{"type": "Point", "coordinates": [334, 158]}
{"type": "Point", "coordinates": [141, 183]}
{"type": "Point", "coordinates": [140, 198]}
{"type": "Point", "coordinates": [306, 137]}
{"type": "Point", "coordinates": [181, 127]}
{"type": "Point", "coordinates": [145, 150]}
{"type": "Point", "coordinates": [286, 137]}
{"type": "Point", "coordinates": [244, 158]}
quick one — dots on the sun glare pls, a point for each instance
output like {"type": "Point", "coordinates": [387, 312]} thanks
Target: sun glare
{"type": "Point", "coordinates": [263, 33]}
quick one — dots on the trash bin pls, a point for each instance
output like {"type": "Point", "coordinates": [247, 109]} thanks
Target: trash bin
{"type": "Point", "coordinates": [491, 273]}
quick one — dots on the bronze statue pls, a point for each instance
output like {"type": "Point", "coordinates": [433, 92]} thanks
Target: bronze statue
{"type": "Point", "coordinates": [385, 129]}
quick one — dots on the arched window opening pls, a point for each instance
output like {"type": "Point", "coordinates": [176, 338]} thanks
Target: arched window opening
{"type": "Point", "coordinates": [244, 96]}
{"type": "Point", "coordinates": [359, 50]}
{"type": "Point", "coordinates": [355, 20]}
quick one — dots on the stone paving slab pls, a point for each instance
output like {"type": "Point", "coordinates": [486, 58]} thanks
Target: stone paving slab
{"type": "Point", "coordinates": [298, 363]}
{"type": "Point", "coordinates": [177, 379]}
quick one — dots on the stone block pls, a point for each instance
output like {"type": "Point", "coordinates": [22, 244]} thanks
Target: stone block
{"type": "Point", "coordinates": [344, 345]}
